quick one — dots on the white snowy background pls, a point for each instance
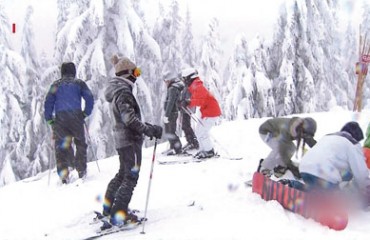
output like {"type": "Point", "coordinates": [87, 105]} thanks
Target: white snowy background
{"type": "Point", "coordinates": [260, 59]}
{"type": "Point", "coordinates": [205, 201]}
{"type": "Point", "coordinates": [265, 59]}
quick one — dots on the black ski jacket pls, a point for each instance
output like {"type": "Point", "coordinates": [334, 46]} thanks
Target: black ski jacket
{"type": "Point", "coordinates": [129, 128]}
{"type": "Point", "coordinates": [172, 99]}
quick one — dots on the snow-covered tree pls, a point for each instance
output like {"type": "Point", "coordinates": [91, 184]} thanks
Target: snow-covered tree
{"type": "Point", "coordinates": [264, 104]}
{"type": "Point", "coordinates": [168, 33]}
{"type": "Point", "coordinates": [238, 68]}
{"type": "Point", "coordinates": [37, 139]}
{"type": "Point", "coordinates": [305, 59]}
{"type": "Point", "coordinates": [210, 57]}
{"type": "Point", "coordinates": [13, 99]}
{"type": "Point", "coordinates": [190, 58]}
{"type": "Point", "coordinates": [249, 90]}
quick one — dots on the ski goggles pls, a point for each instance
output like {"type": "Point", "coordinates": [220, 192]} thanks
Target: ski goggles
{"type": "Point", "coordinates": [136, 72]}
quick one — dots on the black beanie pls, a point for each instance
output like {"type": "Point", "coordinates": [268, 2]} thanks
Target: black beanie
{"type": "Point", "coordinates": [68, 69]}
{"type": "Point", "coordinates": [354, 129]}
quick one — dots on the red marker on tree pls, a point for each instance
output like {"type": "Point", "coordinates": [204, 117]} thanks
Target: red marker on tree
{"type": "Point", "coordinates": [13, 28]}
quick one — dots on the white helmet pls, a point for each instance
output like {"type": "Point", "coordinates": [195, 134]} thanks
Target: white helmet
{"type": "Point", "coordinates": [188, 74]}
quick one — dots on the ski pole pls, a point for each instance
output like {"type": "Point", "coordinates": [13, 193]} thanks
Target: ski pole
{"type": "Point", "coordinates": [90, 143]}
{"type": "Point", "coordinates": [51, 154]}
{"type": "Point", "coordinates": [149, 185]}
{"type": "Point", "coordinates": [197, 120]}
{"type": "Point", "coordinates": [187, 110]}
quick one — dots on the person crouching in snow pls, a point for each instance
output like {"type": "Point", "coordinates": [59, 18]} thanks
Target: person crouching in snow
{"type": "Point", "coordinates": [209, 109]}
{"type": "Point", "coordinates": [335, 158]}
{"type": "Point", "coordinates": [279, 134]}
{"type": "Point", "coordinates": [171, 112]}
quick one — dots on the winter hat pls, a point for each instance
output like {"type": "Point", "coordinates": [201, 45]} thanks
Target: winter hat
{"type": "Point", "coordinates": [354, 129]}
{"type": "Point", "coordinates": [68, 69]}
{"type": "Point", "coordinates": [309, 126]}
{"type": "Point", "coordinates": [124, 67]}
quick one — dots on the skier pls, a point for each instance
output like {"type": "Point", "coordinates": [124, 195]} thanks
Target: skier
{"type": "Point", "coordinates": [209, 108]}
{"type": "Point", "coordinates": [64, 99]}
{"type": "Point", "coordinates": [279, 134]}
{"type": "Point", "coordinates": [128, 133]}
{"type": "Point", "coordinates": [171, 112]}
{"type": "Point", "coordinates": [335, 158]}
{"type": "Point", "coordinates": [191, 139]}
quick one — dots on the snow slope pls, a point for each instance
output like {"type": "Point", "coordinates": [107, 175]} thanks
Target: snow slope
{"type": "Point", "coordinates": [206, 200]}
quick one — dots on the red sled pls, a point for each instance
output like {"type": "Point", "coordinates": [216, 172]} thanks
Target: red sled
{"type": "Point", "coordinates": [325, 208]}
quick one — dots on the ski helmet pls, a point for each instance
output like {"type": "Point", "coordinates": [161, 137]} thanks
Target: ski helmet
{"type": "Point", "coordinates": [309, 126]}
{"type": "Point", "coordinates": [189, 74]}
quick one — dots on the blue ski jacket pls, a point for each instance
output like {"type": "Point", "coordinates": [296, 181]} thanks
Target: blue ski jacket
{"type": "Point", "coordinates": [65, 95]}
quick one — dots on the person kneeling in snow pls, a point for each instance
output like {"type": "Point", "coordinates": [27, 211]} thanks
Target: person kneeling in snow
{"type": "Point", "coordinates": [336, 158]}
{"type": "Point", "coordinates": [279, 134]}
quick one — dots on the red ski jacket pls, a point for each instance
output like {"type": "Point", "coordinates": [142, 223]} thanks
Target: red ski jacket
{"type": "Point", "coordinates": [202, 98]}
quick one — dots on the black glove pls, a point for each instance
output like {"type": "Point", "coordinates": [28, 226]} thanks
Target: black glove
{"type": "Point", "coordinates": [153, 131]}
{"type": "Point", "coordinates": [295, 170]}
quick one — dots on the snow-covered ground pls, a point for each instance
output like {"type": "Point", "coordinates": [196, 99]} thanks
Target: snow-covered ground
{"type": "Point", "coordinates": [206, 200]}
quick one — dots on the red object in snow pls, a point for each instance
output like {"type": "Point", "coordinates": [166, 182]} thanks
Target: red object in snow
{"type": "Point", "coordinates": [325, 208]}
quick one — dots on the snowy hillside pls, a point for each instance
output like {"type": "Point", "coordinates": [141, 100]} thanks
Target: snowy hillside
{"type": "Point", "coordinates": [206, 200]}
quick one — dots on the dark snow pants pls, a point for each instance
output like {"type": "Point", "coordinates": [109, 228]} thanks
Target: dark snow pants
{"type": "Point", "coordinates": [121, 187]}
{"type": "Point", "coordinates": [170, 131]}
{"type": "Point", "coordinates": [68, 128]}
{"type": "Point", "coordinates": [188, 130]}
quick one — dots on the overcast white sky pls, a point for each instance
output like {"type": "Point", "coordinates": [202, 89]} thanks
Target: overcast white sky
{"type": "Point", "coordinates": [249, 17]}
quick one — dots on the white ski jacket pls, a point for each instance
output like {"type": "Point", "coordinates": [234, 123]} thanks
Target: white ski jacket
{"type": "Point", "coordinates": [335, 159]}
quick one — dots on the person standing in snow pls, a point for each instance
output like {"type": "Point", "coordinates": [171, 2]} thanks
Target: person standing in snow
{"type": "Point", "coordinates": [209, 109]}
{"type": "Point", "coordinates": [64, 99]}
{"type": "Point", "coordinates": [191, 139]}
{"type": "Point", "coordinates": [279, 134]}
{"type": "Point", "coordinates": [128, 134]}
{"type": "Point", "coordinates": [171, 112]}
{"type": "Point", "coordinates": [335, 158]}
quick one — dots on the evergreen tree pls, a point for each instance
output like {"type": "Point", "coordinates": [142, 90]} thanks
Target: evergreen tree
{"type": "Point", "coordinates": [238, 71]}
{"type": "Point", "coordinates": [188, 45]}
{"type": "Point", "coordinates": [210, 57]}
{"type": "Point", "coordinates": [281, 66]}
{"type": "Point", "coordinates": [13, 98]}
{"type": "Point", "coordinates": [249, 90]}
{"type": "Point", "coordinates": [302, 78]}
{"type": "Point", "coordinates": [262, 91]}
{"type": "Point", "coordinates": [37, 137]}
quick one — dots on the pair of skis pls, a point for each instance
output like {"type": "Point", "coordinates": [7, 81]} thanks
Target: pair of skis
{"type": "Point", "coordinates": [107, 228]}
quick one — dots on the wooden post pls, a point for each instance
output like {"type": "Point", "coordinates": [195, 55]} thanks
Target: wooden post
{"type": "Point", "coordinates": [361, 70]}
